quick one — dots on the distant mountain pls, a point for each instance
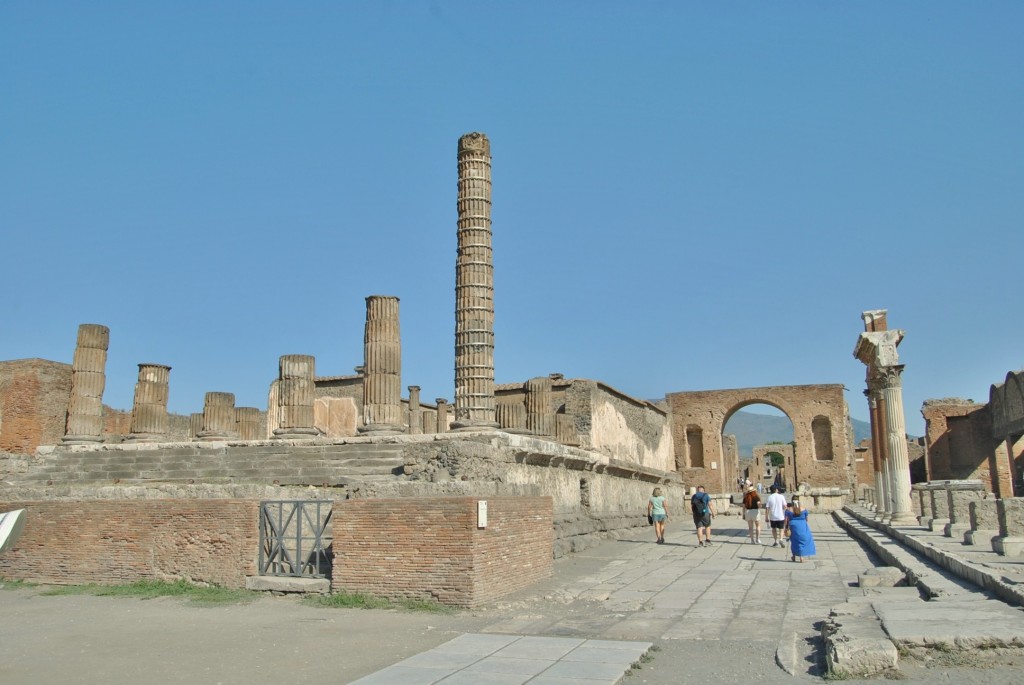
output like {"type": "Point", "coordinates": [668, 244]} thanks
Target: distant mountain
{"type": "Point", "coordinates": [760, 429]}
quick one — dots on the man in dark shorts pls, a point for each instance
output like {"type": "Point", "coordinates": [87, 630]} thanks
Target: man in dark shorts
{"type": "Point", "coordinates": [775, 515]}
{"type": "Point", "coordinates": [703, 511]}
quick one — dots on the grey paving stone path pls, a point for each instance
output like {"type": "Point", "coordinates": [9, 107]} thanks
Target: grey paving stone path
{"type": "Point", "coordinates": [478, 659]}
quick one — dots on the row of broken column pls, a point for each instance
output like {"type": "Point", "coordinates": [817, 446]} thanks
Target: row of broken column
{"type": "Point", "coordinates": [965, 510]}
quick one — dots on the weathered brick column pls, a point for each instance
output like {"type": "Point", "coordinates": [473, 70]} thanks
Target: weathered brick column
{"type": "Point", "coordinates": [149, 410]}
{"type": "Point", "coordinates": [415, 411]}
{"type": "Point", "coordinates": [442, 415]}
{"type": "Point", "coordinates": [984, 523]}
{"type": "Point", "coordinates": [296, 393]}
{"type": "Point", "coordinates": [218, 417]}
{"type": "Point", "coordinates": [88, 376]}
{"type": "Point", "coordinates": [1010, 542]}
{"type": "Point", "coordinates": [540, 418]}
{"type": "Point", "coordinates": [247, 420]}
{"type": "Point", "coordinates": [474, 289]}
{"type": "Point", "coordinates": [382, 380]}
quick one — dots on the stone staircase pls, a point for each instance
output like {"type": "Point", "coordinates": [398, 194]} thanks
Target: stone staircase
{"type": "Point", "coordinates": [218, 463]}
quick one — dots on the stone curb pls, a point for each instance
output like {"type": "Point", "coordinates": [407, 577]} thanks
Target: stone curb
{"type": "Point", "coordinates": [992, 581]}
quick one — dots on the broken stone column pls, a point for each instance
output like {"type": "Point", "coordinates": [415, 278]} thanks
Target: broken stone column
{"type": "Point", "coordinates": [927, 508]}
{"type": "Point", "coordinates": [540, 417]}
{"type": "Point", "coordinates": [442, 415]}
{"type": "Point", "coordinates": [474, 289]}
{"type": "Point", "coordinates": [1010, 542]}
{"type": "Point", "coordinates": [382, 380]}
{"type": "Point", "coordinates": [88, 376]}
{"type": "Point", "coordinates": [149, 410]}
{"type": "Point", "coordinates": [296, 393]}
{"type": "Point", "coordinates": [218, 417]}
{"type": "Point", "coordinates": [984, 523]}
{"type": "Point", "coordinates": [415, 411]}
{"type": "Point", "coordinates": [960, 496]}
{"type": "Point", "coordinates": [247, 420]}
{"type": "Point", "coordinates": [511, 416]}
{"type": "Point", "coordinates": [940, 506]}
{"type": "Point", "coordinates": [195, 425]}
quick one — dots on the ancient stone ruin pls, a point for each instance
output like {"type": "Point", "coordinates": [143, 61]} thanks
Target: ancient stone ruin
{"type": "Point", "coordinates": [547, 454]}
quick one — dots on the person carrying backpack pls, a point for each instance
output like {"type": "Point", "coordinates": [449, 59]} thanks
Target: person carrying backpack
{"type": "Point", "coordinates": [703, 510]}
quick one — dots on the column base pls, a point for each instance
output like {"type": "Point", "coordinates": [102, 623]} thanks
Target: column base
{"type": "Point", "coordinates": [211, 436]}
{"type": "Point", "coordinates": [1008, 546]}
{"type": "Point", "coordinates": [81, 440]}
{"type": "Point", "coordinates": [906, 518]}
{"type": "Point", "coordinates": [938, 525]}
{"type": "Point", "coordinates": [980, 537]}
{"type": "Point", "coordinates": [955, 530]}
{"type": "Point", "coordinates": [462, 426]}
{"type": "Point", "coordinates": [144, 437]}
{"type": "Point", "coordinates": [296, 433]}
{"type": "Point", "coordinates": [373, 429]}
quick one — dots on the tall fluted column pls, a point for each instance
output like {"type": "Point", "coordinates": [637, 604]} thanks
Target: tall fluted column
{"type": "Point", "coordinates": [442, 415]}
{"type": "Point", "coordinates": [247, 420]}
{"type": "Point", "coordinates": [415, 411]}
{"type": "Point", "coordinates": [296, 395]}
{"type": "Point", "coordinates": [218, 417]}
{"type": "Point", "coordinates": [540, 419]}
{"type": "Point", "coordinates": [88, 376]}
{"type": "Point", "coordinates": [382, 379]}
{"type": "Point", "coordinates": [474, 289]}
{"type": "Point", "coordinates": [899, 459]}
{"type": "Point", "coordinates": [149, 410]}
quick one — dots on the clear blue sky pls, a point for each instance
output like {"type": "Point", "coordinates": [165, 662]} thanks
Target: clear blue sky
{"type": "Point", "coordinates": [686, 195]}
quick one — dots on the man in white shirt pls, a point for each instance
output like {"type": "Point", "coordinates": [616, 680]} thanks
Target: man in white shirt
{"type": "Point", "coordinates": [775, 515]}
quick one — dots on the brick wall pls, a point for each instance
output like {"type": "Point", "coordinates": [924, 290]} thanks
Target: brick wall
{"type": "Point", "coordinates": [33, 403]}
{"type": "Point", "coordinates": [431, 548]}
{"type": "Point", "coordinates": [108, 542]}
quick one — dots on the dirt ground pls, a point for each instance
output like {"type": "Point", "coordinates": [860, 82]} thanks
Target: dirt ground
{"type": "Point", "coordinates": [114, 641]}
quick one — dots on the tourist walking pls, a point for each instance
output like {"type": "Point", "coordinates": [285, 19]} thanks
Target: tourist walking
{"type": "Point", "coordinates": [752, 514]}
{"type": "Point", "coordinates": [800, 538]}
{"type": "Point", "coordinates": [703, 511]}
{"type": "Point", "coordinates": [775, 515]}
{"type": "Point", "coordinates": [657, 510]}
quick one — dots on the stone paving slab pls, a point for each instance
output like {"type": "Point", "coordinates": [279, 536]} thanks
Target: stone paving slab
{"type": "Point", "coordinates": [486, 659]}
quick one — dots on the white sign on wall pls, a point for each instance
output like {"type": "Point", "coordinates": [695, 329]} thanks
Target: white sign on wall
{"type": "Point", "coordinates": [481, 514]}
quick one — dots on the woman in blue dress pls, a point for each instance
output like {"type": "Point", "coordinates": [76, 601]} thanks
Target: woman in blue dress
{"type": "Point", "coordinates": [800, 539]}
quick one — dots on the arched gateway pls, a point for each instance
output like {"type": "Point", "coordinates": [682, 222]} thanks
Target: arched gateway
{"type": "Point", "coordinates": [821, 431]}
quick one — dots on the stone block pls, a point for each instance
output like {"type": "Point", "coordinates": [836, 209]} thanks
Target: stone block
{"type": "Point", "coordinates": [884, 576]}
{"type": "Point", "coordinates": [287, 584]}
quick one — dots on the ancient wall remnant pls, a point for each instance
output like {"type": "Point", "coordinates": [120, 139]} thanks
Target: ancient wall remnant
{"type": "Point", "coordinates": [33, 403]}
{"type": "Point", "coordinates": [1006, 404]}
{"type": "Point", "coordinates": [823, 453]}
{"type": "Point", "coordinates": [958, 435]}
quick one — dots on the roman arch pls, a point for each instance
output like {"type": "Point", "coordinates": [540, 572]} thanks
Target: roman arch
{"type": "Point", "coordinates": [823, 453]}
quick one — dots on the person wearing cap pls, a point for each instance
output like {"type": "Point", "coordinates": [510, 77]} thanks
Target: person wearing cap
{"type": "Point", "coordinates": [752, 514]}
{"type": "Point", "coordinates": [775, 515]}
